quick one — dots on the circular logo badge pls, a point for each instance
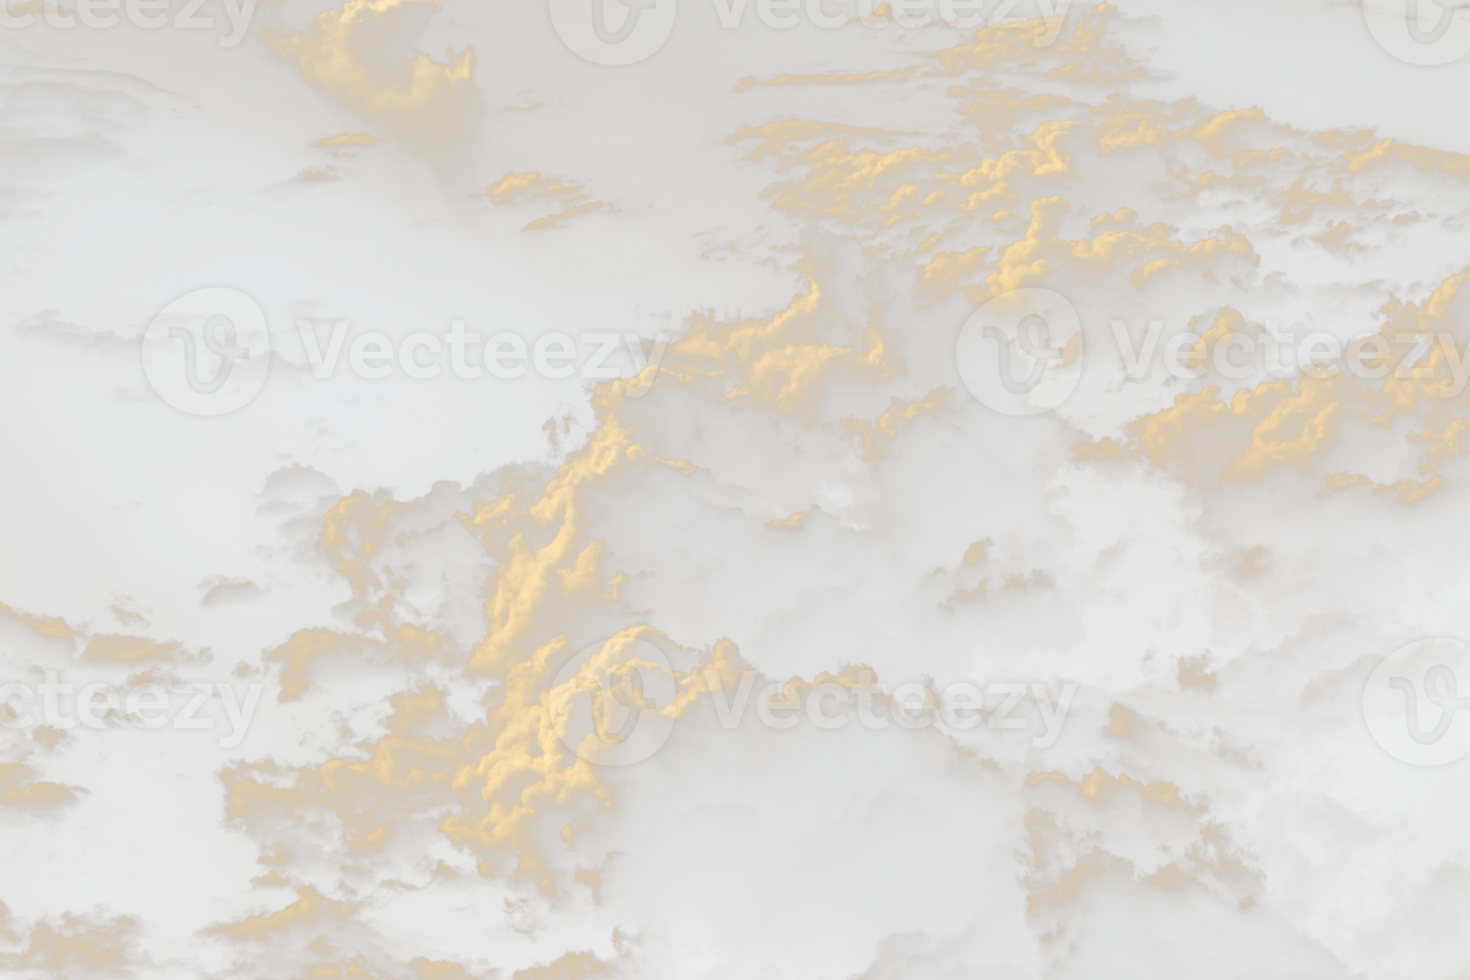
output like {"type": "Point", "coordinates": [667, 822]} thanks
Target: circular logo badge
{"type": "Point", "coordinates": [1021, 353]}
{"type": "Point", "coordinates": [611, 701]}
{"type": "Point", "coordinates": [1420, 32]}
{"type": "Point", "coordinates": [614, 32]}
{"type": "Point", "coordinates": [1416, 701]}
{"type": "Point", "coordinates": [208, 352]}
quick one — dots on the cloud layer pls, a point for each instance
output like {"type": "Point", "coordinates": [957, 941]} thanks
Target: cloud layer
{"type": "Point", "coordinates": [448, 593]}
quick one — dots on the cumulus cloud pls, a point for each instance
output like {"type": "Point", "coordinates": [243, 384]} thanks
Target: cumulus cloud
{"type": "Point", "coordinates": [566, 200]}
{"type": "Point", "coordinates": [221, 592]}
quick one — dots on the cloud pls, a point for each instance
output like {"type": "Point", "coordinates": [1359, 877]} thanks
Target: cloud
{"type": "Point", "coordinates": [60, 126]}
{"type": "Point", "coordinates": [53, 644]}
{"type": "Point", "coordinates": [130, 613]}
{"type": "Point", "coordinates": [362, 59]}
{"type": "Point", "coordinates": [27, 798]}
{"type": "Point", "coordinates": [93, 945]}
{"type": "Point", "coordinates": [568, 200]}
{"type": "Point", "coordinates": [362, 819]}
{"type": "Point", "coordinates": [294, 487]}
{"type": "Point", "coordinates": [1204, 914]}
{"type": "Point", "coordinates": [340, 149]}
{"type": "Point", "coordinates": [49, 329]}
{"type": "Point", "coordinates": [313, 660]}
{"type": "Point", "coordinates": [318, 936]}
{"type": "Point", "coordinates": [221, 592]}
{"type": "Point", "coordinates": [1320, 494]}
{"type": "Point", "coordinates": [532, 100]}
{"type": "Point", "coordinates": [803, 489]}
{"type": "Point", "coordinates": [843, 526]}
{"type": "Point", "coordinates": [21, 791]}
{"type": "Point", "coordinates": [306, 179]}
{"type": "Point", "coordinates": [344, 146]}
{"type": "Point", "coordinates": [1070, 122]}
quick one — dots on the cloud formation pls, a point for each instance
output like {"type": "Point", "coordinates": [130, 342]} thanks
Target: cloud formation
{"type": "Point", "coordinates": [566, 200]}
{"type": "Point", "coordinates": [59, 125]}
{"type": "Point", "coordinates": [221, 592]}
{"type": "Point", "coordinates": [75, 945]}
{"type": "Point", "coordinates": [363, 60]}
{"type": "Point", "coordinates": [812, 492]}
{"type": "Point", "coordinates": [800, 499]}
{"type": "Point", "coordinates": [49, 329]}
{"type": "Point", "coordinates": [50, 642]}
